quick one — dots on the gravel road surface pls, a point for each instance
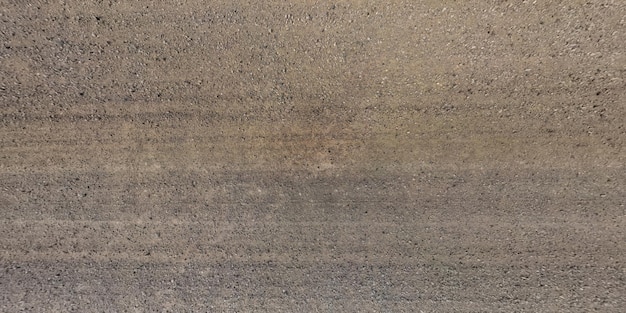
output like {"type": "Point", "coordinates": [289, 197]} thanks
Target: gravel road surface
{"type": "Point", "coordinates": [312, 156]}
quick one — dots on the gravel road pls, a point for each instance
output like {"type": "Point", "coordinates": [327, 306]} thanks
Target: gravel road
{"type": "Point", "coordinates": [309, 156]}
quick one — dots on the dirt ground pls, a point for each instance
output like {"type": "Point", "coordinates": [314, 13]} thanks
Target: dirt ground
{"type": "Point", "coordinates": [308, 156]}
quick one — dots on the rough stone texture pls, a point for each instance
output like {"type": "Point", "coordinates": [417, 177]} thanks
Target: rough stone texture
{"type": "Point", "coordinates": [349, 156]}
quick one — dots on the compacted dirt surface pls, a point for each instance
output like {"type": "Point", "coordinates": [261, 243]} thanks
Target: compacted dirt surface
{"type": "Point", "coordinates": [308, 156]}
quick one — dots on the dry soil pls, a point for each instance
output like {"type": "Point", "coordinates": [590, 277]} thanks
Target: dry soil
{"type": "Point", "coordinates": [309, 156]}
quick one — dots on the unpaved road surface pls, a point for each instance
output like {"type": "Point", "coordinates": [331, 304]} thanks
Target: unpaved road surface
{"type": "Point", "coordinates": [304, 156]}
